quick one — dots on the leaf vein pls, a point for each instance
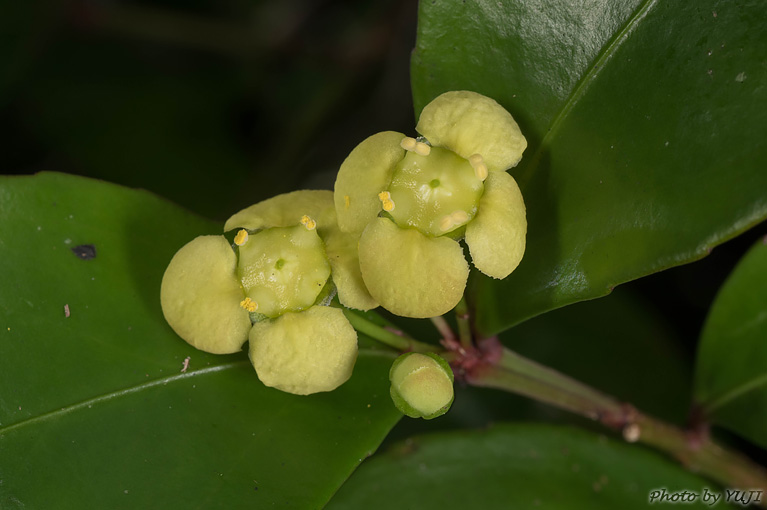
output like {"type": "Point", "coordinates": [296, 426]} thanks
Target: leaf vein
{"type": "Point", "coordinates": [119, 393]}
{"type": "Point", "coordinates": [736, 392]}
{"type": "Point", "coordinates": [145, 385]}
{"type": "Point", "coordinates": [583, 84]}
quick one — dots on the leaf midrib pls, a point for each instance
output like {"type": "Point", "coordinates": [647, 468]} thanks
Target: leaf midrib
{"type": "Point", "coordinates": [50, 415]}
{"type": "Point", "coordinates": [737, 392]}
{"type": "Point", "coordinates": [583, 84]}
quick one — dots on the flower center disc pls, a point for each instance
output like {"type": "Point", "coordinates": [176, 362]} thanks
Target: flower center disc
{"type": "Point", "coordinates": [283, 269]}
{"type": "Point", "coordinates": [436, 194]}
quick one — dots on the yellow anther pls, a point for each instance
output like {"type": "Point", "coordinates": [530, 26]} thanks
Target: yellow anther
{"type": "Point", "coordinates": [309, 223]}
{"type": "Point", "coordinates": [347, 200]}
{"type": "Point", "coordinates": [446, 223]}
{"type": "Point", "coordinates": [386, 201]}
{"type": "Point", "coordinates": [479, 166]}
{"type": "Point", "coordinates": [241, 237]}
{"type": "Point", "coordinates": [453, 219]}
{"type": "Point", "coordinates": [249, 304]}
{"type": "Point", "coordinates": [459, 217]}
{"type": "Point", "coordinates": [409, 144]}
{"type": "Point", "coordinates": [422, 149]}
{"type": "Point", "coordinates": [481, 172]}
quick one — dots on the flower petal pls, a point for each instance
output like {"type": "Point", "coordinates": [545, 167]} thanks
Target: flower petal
{"type": "Point", "coordinates": [496, 237]}
{"type": "Point", "coordinates": [341, 249]}
{"type": "Point", "coordinates": [469, 123]}
{"type": "Point", "coordinates": [409, 273]}
{"type": "Point", "coordinates": [286, 210]}
{"type": "Point", "coordinates": [306, 352]}
{"type": "Point", "coordinates": [363, 175]}
{"type": "Point", "coordinates": [200, 296]}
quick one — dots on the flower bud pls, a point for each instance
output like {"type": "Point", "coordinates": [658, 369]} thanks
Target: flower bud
{"type": "Point", "coordinates": [421, 385]}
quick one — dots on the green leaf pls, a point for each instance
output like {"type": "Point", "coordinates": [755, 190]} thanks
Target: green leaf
{"type": "Point", "coordinates": [514, 466]}
{"type": "Point", "coordinates": [95, 410]}
{"type": "Point", "coordinates": [731, 375]}
{"type": "Point", "coordinates": [644, 123]}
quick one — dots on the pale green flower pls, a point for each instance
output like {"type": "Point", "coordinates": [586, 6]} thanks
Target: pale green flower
{"type": "Point", "coordinates": [411, 200]}
{"type": "Point", "coordinates": [287, 261]}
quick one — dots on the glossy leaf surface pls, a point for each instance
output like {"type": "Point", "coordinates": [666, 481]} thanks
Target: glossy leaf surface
{"type": "Point", "coordinates": [731, 376]}
{"type": "Point", "coordinates": [95, 408]}
{"type": "Point", "coordinates": [644, 123]}
{"type": "Point", "coordinates": [514, 466]}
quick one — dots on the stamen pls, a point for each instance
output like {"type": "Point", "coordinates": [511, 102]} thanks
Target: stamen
{"type": "Point", "coordinates": [347, 201]}
{"type": "Point", "coordinates": [459, 217]}
{"type": "Point", "coordinates": [479, 166]}
{"type": "Point", "coordinates": [386, 201]}
{"type": "Point", "coordinates": [241, 237]}
{"type": "Point", "coordinates": [422, 149]}
{"type": "Point", "coordinates": [449, 221]}
{"type": "Point", "coordinates": [309, 223]}
{"type": "Point", "coordinates": [446, 223]}
{"type": "Point", "coordinates": [409, 144]}
{"type": "Point", "coordinates": [249, 304]}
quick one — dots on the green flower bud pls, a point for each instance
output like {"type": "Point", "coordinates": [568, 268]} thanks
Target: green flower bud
{"type": "Point", "coordinates": [421, 385]}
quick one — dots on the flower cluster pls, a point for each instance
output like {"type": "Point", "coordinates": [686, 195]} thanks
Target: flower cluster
{"type": "Point", "coordinates": [388, 234]}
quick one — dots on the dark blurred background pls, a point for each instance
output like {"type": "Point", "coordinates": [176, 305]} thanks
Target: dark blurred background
{"type": "Point", "coordinates": [212, 104]}
{"type": "Point", "coordinates": [216, 105]}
